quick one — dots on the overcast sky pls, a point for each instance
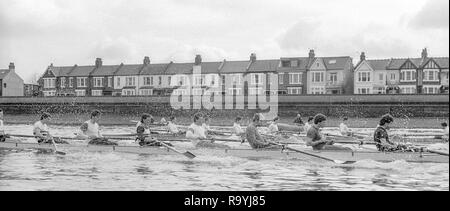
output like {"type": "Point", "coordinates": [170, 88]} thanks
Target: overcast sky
{"type": "Point", "coordinates": [35, 33]}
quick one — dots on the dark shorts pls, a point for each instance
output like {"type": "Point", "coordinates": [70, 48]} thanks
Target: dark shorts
{"type": "Point", "coordinates": [56, 140]}
{"type": "Point", "coordinates": [102, 141]}
{"type": "Point", "coordinates": [3, 138]}
{"type": "Point", "coordinates": [152, 143]}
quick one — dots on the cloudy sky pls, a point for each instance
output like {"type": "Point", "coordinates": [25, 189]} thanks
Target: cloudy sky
{"type": "Point", "coordinates": [35, 33]}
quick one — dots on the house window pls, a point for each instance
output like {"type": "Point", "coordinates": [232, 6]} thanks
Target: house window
{"type": "Point", "coordinates": [159, 80]}
{"type": "Point", "coordinates": [381, 76]}
{"type": "Point", "coordinates": [363, 76]}
{"type": "Point", "coordinates": [257, 79]}
{"type": "Point", "coordinates": [431, 75]}
{"type": "Point", "coordinates": [295, 78]}
{"type": "Point", "coordinates": [98, 82]}
{"type": "Point", "coordinates": [408, 90]}
{"type": "Point", "coordinates": [148, 81]}
{"type": "Point", "coordinates": [317, 90]}
{"type": "Point", "coordinates": [128, 92]}
{"type": "Point", "coordinates": [235, 91]}
{"type": "Point", "coordinates": [285, 63]}
{"type": "Point", "coordinates": [393, 76]}
{"type": "Point", "coordinates": [110, 81]}
{"type": "Point", "coordinates": [49, 83]}
{"type": "Point", "coordinates": [82, 82]}
{"type": "Point", "coordinates": [333, 78]}
{"type": "Point", "coordinates": [71, 82]}
{"type": "Point", "coordinates": [130, 81]}
{"type": "Point", "coordinates": [363, 91]}
{"type": "Point", "coordinates": [318, 77]}
{"type": "Point", "coordinates": [63, 82]}
{"type": "Point", "coordinates": [431, 89]}
{"type": "Point", "coordinates": [294, 90]}
{"type": "Point", "coordinates": [197, 92]}
{"type": "Point", "coordinates": [408, 75]}
{"type": "Point", "coordinates": [281, 78]}
{"type": "Point", "coordinates": [236, 79]}
{"type": "Point", "coordinates": [80, 93]}
{"type": "Point", "coordinates": [97, 92]}
{"type": "Point", "coordinates": [49, 93]}
{"type": "Point", "coordinates": [169, 80]}
{"type": "Point", "coordinates": [118, 82]}
{"type": "Point", "coordinates": [256, 91]}
{"type": "Point", "coordinates": [146, 92]}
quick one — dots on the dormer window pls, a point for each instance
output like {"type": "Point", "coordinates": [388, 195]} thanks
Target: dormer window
{"type": "Point", "coordinates": [294, 63]}
{"type": "Point", "coordinates": [332, 62]}
{"type": "Point", "coordinates": [286, 63]}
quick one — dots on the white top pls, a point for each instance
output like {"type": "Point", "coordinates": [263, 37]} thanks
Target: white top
{"type": "Point", "coordinates": [307, 126]}
{"type": "Point", "coordinates": [2, 127]}
{"type": "Point", "coordinates": [92, 129]}
{"type": "Point", "coordinates": [206, 127]}
{"type": "Point", "coordinates": [43, 128]}
{"type": "Point", "coordinates": [237, 129]}
{"type": "Point", "coordinates": [446, 131]}
{"type": "Point", "coordinates": [273, 128]}
{"type": "Point", "coordinates": [198, 132]}
{"type": "Point", "coordinates": [344, 129]}
{"type": "Point", "coordinates": [173, 128]}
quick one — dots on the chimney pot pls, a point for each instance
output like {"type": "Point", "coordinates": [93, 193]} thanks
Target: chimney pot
{"type": "Point", "coordinates": [253, 57]}
{"type": "Point", "coordinates": [363, 56]}
{"type": "Point", "coordinates": [424, 53]}
{"type": "Point", "coordinates": [312, 54]}
{"type": "Point", "coordinates": [198, 60]}
{"type": "Point", "coordinates": [12, 67]}
{"type": "Point", "coordinates": [147, 61]}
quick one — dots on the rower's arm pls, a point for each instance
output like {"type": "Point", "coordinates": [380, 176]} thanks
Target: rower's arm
{"type": "Point", "coordinates": [38, 133]}
{"type": "Point", "coordinates": [140, 132]}
{"type": "Point", "coordinates": [84, 128]}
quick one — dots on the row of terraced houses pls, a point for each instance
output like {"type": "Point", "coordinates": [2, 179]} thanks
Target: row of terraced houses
{"type": "Point", "coordinates": [296, 76]}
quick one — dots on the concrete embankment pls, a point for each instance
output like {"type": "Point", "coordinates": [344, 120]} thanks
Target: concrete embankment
{"type": "Point", "coordinates": [331, 105]}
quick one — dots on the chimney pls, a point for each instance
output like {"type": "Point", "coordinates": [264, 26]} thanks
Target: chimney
{"type": "Point", "coordinates": [363, 56]}
{"type": "Point", "coordinates": [12, 67]}
{"type": "Point", "coordinates": [424, 53]}
{"type": "Point", "coordinates": [98, 62]}
{"type": "Point", "coordinates": [146, 61]}
{"type": "Point", "coordinates": [198, 60]}
{"type": "Point", "coordinates": [312, 55]}
{"type": "Point", "coordinates": [253, 57]}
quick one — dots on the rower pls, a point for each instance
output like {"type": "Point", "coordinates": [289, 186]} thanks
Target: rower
{"type": "Point", "coordinates": [445, 130]}
{"type": "Point", "coordinates": [298, 120]}
{"type": "Point", "coordinates": [273, 127]}
{"type": "Point", "coordinates": [197, 134]}
{"type": "Point", "coordinates": [345, 131]}
{"type": "Point", "coordinates": [309, 123]}
{"type": "Point", "coordinates": [316, 140]}
{"type": "Point", "coordinates": [381, 136]}
{"type": "Point", "coordinates": [91, 130]}
{"type": "Point", "coordinates": [207, 123]}
{"type": "Point", "coordinates": [255, 139]}
{"type": "Point", "coordinates": [3, 135]}
{"type": "Point", "coordinates": [143, 132]}
{"type": "Point", "coordinates": [173, 128]}
{"type": "Point", "coordinates": [237, 129]}
{"type": "Point", "coordinates": [41, 131]}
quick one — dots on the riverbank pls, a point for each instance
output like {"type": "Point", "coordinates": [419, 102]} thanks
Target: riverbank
{"type": "Point", "coordinates": [127, 120]}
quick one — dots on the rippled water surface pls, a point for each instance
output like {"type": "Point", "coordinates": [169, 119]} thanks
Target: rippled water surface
{"type": "Point", "coordinates": [30, 170]}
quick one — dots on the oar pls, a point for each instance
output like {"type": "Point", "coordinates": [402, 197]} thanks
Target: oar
{"type": "Point", "coordinates": [437, 152]}
{"type": "Point", "coordinates": [56, 149]}
{"type": "Point", "coordinates": [313, 155]}
{"type": "Point", "coordinates": [53, 143]}
{"type": "Point", "coordinates": [186, 153]}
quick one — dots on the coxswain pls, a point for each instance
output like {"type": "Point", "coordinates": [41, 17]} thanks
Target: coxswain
{"type": "Point", "coordinates": [316, 139]}
{"type": "Point", "coordinates": [91, 130]}
{"type": "Point", "coordinates": [345, 131]}
{"type": "Point", "coordinates": [298, 120]}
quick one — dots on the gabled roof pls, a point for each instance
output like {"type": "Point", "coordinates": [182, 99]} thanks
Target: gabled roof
{"type": "Point", "coordinates": [154, 69]}
{"type": "Point", "coordinates": [231, 67]}
{"type": "Point", "coordinates": [106, 70]}
{"type": "Point", "coordinates": [264, 66]}
{"type": "Point", "coordinates": [3, 73]}
{"type": "Point", "coordinates": [442, 62]}
{"type": "Point", "coordinates": [395, 64]}
{"type": "Point", "coordinates": [336, 63]}
{"type": "Point", "coordinates": [128, 70]}
{"type": "Point", "coordinates": [81, 71]}
{"type": "Point", "coordinates": [179, 68]}
{"type": "Point", "coordinates": [380, 64]}
{"type": "Point", "coordinates": [211, 67]}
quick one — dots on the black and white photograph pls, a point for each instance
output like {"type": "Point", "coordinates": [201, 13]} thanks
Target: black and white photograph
{"type": "Point", "coordinates": [223, 96]}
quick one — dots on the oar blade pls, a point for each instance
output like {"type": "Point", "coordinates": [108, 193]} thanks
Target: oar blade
{"type": "Point", "coordinates": [189, 155]}
{"type": "Point", "coordinates": [344, 162]}
{"type": "Point", "coordinates": [60, 153]}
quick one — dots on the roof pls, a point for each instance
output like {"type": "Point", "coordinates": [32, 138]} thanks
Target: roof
{"type": "Point", "coordinates": [442, 62]}
{"type": "Point", "coordinates": [107, 70]}
{"type": "Point", "coordinates": [396, 63]}
{"type": "Point", "coordinates": [129, 70]}
{"type": "Point", "coordinates": [179, 68]}
{"type": "Point", "coordinates": [211, 67]}
{"type": "Point", "coordinates": [234, 67]}
{"type": "Point", "coordinates": [336, 63]}
{"type": "Point", "coordinates": [154, 69]}
{"type": "Point", "coordinates": [80, 71]}
{"type": "Point", "coordinates": [302, 63]}
{"type": "Point", "coordinates": [61, 71]}
{"type": "Point", "coordinates": [264, 66]}
{"type": "Point", "coordinates": [3, 73]}
{"type": "Point", "coordinates": [379, 64]}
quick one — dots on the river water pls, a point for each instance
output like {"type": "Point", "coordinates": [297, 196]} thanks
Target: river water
{"type": "Point", "coordinates": [30, 170]}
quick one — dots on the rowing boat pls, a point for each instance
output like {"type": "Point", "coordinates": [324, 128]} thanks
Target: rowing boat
{"type": "Point", "coordinates": [420, 157]}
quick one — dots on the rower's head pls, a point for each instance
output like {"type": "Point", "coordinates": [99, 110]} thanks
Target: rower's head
{"type": "Point", "coordinates": [444, 124]}
{"type": "Point", "coordinates": [344, 119]}
{"type": "Point", "coordinates": [172, 119]}
{"type": "Point", "coordinates": [256, 118]}
{"type": "Point", "coordinates": [310, 119]}
{"type": "Point", "coordinates": [320, 120]}
{"type": "Point", "coordinates": [238, 119]}
{"type": "Point", "coordinates": [207, 119]}
{"type": "Point", "coordinates": [95, 115]}
{"type": "Point", "coordinates": [45, 118]}
{"type": "Point", "coordinates": [147, 119]}
{"type": "Point", "coordinates": [276, 119]}
{"type": "Point", "coordinates": [299, 115]}
{"type": "Point", "coordinates": [386, 120]}
{"type": "Point", "coordinates": [198, 118]}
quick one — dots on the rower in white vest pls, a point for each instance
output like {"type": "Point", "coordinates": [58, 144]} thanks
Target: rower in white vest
{"type": "Point", "coordinates": [345, 131]}
{"type": "Point", "coordinates": [91, 130]}
{"type": "Point", "coordinates": [198, 135]}
{"type": "Point", "coordinates": [173, 128]}
{"type": "Point", "coordinates": [41, 130]}
{"type": "Point", "coordinates": [237, 129]}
